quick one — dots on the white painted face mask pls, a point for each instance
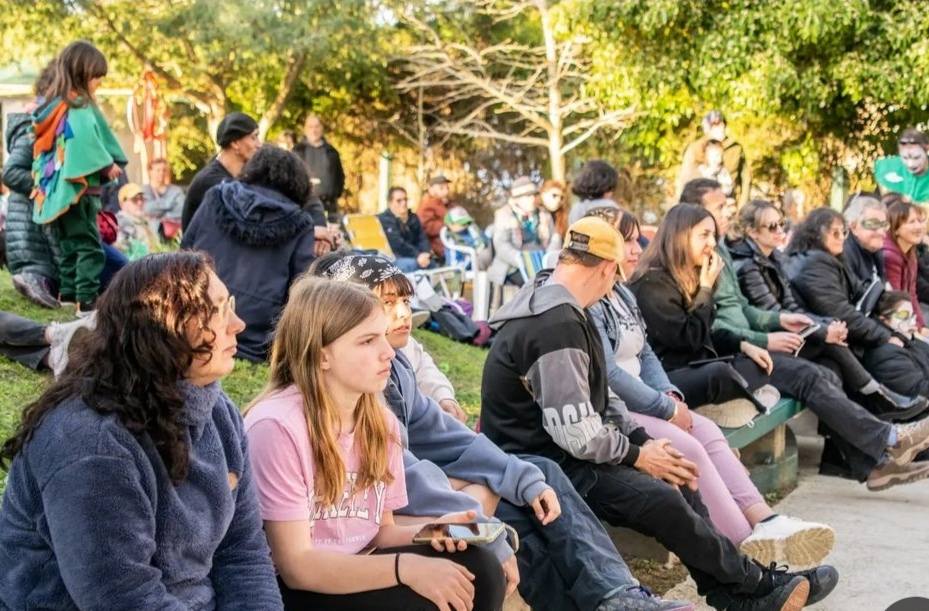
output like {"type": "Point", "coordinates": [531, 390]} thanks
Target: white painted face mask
{"type": "Point", "coordinates": [551, 202]}
{"type": "Point", "coordinates": [526, 205]}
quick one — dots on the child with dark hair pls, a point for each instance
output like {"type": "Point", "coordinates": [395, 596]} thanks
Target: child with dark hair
{"type": "Point", "coordinates": [261, 238]}
{"type": "Point", "coordinates": [74, 153]}
{"type": "Point", "coordinates": [903, 369]}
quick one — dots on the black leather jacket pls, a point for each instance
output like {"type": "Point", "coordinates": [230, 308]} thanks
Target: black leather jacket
{"type": "Point", "coordinates": [823, 285]}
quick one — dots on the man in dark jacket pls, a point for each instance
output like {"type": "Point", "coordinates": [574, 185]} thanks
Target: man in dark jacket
{"type": "Point", "coordinates": [862, 252]}
{"type": "Point", "coordinates": [260, 238]}
{"type": "Point", "coordinates": [404, 232]}
{"type": "Point", "coordinates": [237, 137]}
{"type": "Point", "coordinates": [324, 165]}
{"type": "Point", "coordinates": [545, 392]}
{"type": "Point", "coordinates": [30, 257]}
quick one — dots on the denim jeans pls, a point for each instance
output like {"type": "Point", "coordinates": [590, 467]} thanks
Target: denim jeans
{"type": "Point", "coordinates": [113, 261]}
{"type": "Point", "coordinates": [571, 563]}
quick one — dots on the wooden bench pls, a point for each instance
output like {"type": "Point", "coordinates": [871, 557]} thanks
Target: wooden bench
{"type": "Point", "coordinates": [767, 449]}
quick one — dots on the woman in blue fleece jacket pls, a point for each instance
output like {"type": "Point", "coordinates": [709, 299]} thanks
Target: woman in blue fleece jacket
{"type": "Point", "coordinates": [129, 485]}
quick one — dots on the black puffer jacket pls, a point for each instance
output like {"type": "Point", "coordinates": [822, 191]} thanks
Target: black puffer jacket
{"type": "Point", "coordinates": [763, 280]}
{"type": "Point", "coordinates": [261, 241]}
{"type": "Point", "coordinates": [823, 286]}
{"type": "Point", "coordinates": [902, 370]}
{"type": "Point", "coordinates": [28, 246]}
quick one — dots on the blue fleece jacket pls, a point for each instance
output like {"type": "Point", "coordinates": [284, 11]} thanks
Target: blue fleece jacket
{"type": "Point", "coordinates": [439, 446]}
{"type": "Point", "coordinates": [91, 520]}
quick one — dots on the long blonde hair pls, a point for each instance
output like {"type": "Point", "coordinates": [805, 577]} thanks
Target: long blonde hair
{"type": "Point", "coordinates": [318, 312]}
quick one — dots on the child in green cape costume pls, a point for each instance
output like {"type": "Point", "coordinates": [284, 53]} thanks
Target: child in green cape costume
{"type": "Point", "coordinates": [74, 153]}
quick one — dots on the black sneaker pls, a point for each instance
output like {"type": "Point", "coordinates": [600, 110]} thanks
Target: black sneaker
{"type": "Point", "coordinates": [84, 308]}
{"type": "Point", "coordinates": [823, 580]}
{"type": "Point", "coordinates": [789, 594]}
{"type": "Point", "coordinates": [36, 289]}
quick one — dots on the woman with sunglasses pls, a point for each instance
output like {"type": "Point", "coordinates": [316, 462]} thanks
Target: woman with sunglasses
{"type": "Point", "coordinates": [824, 286]}
{"type": "Point", "coordinates": [759, 264]}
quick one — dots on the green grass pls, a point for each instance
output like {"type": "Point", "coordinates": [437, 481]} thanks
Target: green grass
{"type": "Point", "coordinates": [19, 385]}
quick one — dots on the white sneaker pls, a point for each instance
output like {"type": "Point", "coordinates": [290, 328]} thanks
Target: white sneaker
{"type": "Point", "coordinates": [786, 540]}
{"type": "Point", "coordinates": [729, 414]}
{"type": "Point", "coordinates": [420, 317]}
{"type": "Point", "coordinates": [61, 334]}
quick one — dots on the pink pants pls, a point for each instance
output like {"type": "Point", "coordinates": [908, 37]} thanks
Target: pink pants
{"type": "Point", "coordinates": [723, 483]}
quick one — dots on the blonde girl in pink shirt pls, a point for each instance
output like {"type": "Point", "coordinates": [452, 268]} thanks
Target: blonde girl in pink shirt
{"type": "Point", "coordinates": [328, 465]}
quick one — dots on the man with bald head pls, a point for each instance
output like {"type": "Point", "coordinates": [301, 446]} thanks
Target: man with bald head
{"type": "Point", "coordinates": [324, 166]}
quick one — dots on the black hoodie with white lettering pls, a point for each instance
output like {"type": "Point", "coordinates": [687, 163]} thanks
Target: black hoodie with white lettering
{"type": "Point", "coordinates": [544, 389]}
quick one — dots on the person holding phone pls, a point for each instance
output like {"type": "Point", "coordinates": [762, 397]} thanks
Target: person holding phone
{"type": "Point", "coordinates": [762, 274]}
{"type": "Point", "coordinates": [328, 464]}
{"type": "Point", "coordinates": [568, 558]}
{"type": "Point", "coordinates": [883, 452]}
{"type": "Point", "coordinates": [736, 507]}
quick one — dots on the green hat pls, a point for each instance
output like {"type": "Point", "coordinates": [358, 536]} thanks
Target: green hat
{"type": "Point", "coordinates": [457, 215]}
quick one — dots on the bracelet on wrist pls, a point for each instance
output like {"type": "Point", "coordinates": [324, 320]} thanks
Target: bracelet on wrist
{"type": "Point", "coordinates": [397, 569]}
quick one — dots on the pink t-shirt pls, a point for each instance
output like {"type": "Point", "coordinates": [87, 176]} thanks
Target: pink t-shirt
{"type": "Point", "coordinates": [282, 463]}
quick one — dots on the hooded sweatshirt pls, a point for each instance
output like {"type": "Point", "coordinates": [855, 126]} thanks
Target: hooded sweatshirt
{"type": "Point", "coordinates": [260, 241]}
{"type": "Point", "coordinates": [544, 388]}
{"type": "Point", "coordinates": [439, 447]}
{"type": "Point", "coordinates": [91, 519]}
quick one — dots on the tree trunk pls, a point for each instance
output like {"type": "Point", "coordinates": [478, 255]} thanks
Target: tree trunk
{"type": "Point", "coordinates": [290, 78]}
{"type": "Point", "coordinates": [555, 136]}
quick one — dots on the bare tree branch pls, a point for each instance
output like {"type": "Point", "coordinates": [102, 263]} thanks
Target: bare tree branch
{"type": "Point", "coordinates": [295, 65]}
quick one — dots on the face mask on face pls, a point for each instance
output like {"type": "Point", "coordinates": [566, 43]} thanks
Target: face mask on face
{"type": "Point", "coordinates": [902, 321]}
{"type": "Point", "coordinates": [551, 202]}
{"type": "Point", "coordinates": [526, 205]}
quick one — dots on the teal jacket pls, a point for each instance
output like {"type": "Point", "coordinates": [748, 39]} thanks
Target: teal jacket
{"type": "Point", "coordinates": [733, 311]}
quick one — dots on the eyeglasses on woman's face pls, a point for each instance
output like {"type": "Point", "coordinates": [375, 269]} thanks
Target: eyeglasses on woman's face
{"type": "Point", "coordinates": [227, 310]}
{"type": "Point", "coordinates": [776, 227]}
{"type": "Point", "coordinates": [839, 233]}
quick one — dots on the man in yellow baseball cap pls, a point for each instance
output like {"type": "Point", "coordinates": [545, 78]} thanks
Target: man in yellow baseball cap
{"type": "Point", "coordinates": [593, 238]}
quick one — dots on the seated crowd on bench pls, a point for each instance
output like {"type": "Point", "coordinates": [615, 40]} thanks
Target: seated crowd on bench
{"type": "Point", "coordinates": [134, 482]}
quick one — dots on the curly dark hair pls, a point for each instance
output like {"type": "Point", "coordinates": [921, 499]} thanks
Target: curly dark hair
{"type": "Point", "coordinates": [595, 179]}
{"type": "Point", "coordinates": [809, 234]}
{"type": "Point", "coordinates": [130, 365]}
{"type": "Point", "coordinates": [279, 170]}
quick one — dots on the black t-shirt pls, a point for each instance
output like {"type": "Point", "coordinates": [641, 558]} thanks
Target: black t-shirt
{"type": "Point", "coordinates": [212, 174]}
